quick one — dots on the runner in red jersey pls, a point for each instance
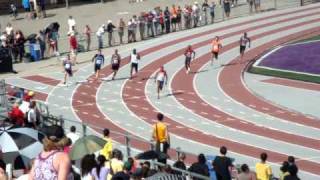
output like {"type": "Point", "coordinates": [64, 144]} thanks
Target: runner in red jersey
{"type": "Point", "coordinates": [188, 53]}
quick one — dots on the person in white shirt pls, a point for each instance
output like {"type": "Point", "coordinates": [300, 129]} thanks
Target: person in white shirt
{"type": "Point", "coordinates": [161, 78]}
{"type": "Point", "coordinates": [71, 23]}
{"type": "Point", "coordinates": [32, 115]}
{"type": "Point", "coordinates": [9, 29]}
{"type": "Point", "coordinates": [99, 34]}
{"type": "Point", "coordinates": [73, 135]}
{"type": "Point", "coordinates": [196, 14]}
{"type": "Point", "coordinates": [134, 59]}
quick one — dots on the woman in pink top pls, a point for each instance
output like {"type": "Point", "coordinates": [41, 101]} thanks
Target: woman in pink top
{"type": "Point", "coordinates": [51, 163]}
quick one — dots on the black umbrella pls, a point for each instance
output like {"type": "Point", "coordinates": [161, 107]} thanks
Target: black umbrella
{"type": "Point", "coordinates": [20, 145]}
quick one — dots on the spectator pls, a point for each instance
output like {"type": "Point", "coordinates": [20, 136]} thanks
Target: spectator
{"type": "Point", "coordinates": [293, 173]}
{"type": "Point", "coordinates": [67, 147]}
{"type": "Point", "coordinates": [88, 162]}
{"type": "Point", "coordinates": [196, 14]}
{"type": "Point", "coordinates": [161, 21]}
{"type": "Point", "coordinates": [73, 135]}
{"type": "Point", "coordinates": [226, 6]}
{"type": "Point", "coordinates": [16, 115]}
{"type": "Point", "coordinates": [26, 175]}
{"type": "Point", "coordinates": [87, 34]}
{"type": "Point", "coordinates": [251, 2]}
{"type": "Point", "coordinates": [167, 19]}
{"type": "Point", "coordinates": [205, 7]}
{"type": "Point", "coordinates": [107, 149]}
{"type": "Point", "coordinates": [164, 173]}
{"type": "Point", "coordinates": [99, 34]}
{"type": "Point", "coordinates": [42, 4]}
{"type": "Point", "coordinates": [234, 3]}
{"type": "Point", "coordinates": [71, 23]}
{"type": "Point", "coordinates": [14, 11]}
{"type": "Point", "coordinates": [124, 174]}
{"type": "Point", "coordinates": [130, 31]}
{"type": "Point", "coordinates": [53, 42]}
{"type": "Point", "coordinates": [161, 136]}
{"type": "Point", "coordinates": [246, 174]}
{"type": "Point", "coordinates": [222, 165]}
{"type": "Point", "coordinates": [150, 18]}
{"type": "Point", "coordinates": [115, 164]}
{"type": "Point", "coordinates": [52, 163]}
{"type": "Point", "coordinates": [174, 14]}
{"type": "Point", "coordinates": [121, 30]}
{"type": "Point", "coordinates": [291, 160]}
{"type": "Point", "coordinates": [73, 47]}
{"type": "Point", "coordinates": [110, 28]}
{"type": "Point", "coordinates": [180, 163]}
{"type": "Point", "coordinates": [200, 167]}
{"type": "Point", "coordinates": [26, 7]}
{"type": "Point", "coordinates": [100, 172]}
{"type": "Point", "coordinates": [156, 20]}
{"type": "Point", "coordinates": [257, 5]}
{"type": "Point", "coordinates": [32, 115]}
{"type": "Point", "coordinates": [135, 26]}
{"type": "Point", "coordinates": [9, 30]}
{"type": "Point", "coordinates": [3, 175]}
{"type": "Point", "coordinates": [212, 7]}
{"type": "Point", "coordinates": [284, 170]}
{"type": "Point", "coordinates": [41, 38]}
{"type": "Point", "coordinates": [263, 170]}
{"type": "Point", "coordinates": [179, 15]}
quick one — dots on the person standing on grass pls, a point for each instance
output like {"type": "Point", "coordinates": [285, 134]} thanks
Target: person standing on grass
{"type": "Point", "coordinates": [87, 35]}
{"type": "Point", "coordinates": [216, 47]}
{"type": "Point", "coordinates": [244, 40]}
{"type": "Point", "coordinates": [188, 54]}
{"type": "Point", "coordinates": [115, 63]}
{"type": "Point", "coordinates": [134, 59]}
{"type": "Point", "coordinates": [161, 136]}
{"type": "Point", "coordinates": [161, 78]}
{"type": "Point", "coordinates": [98, 61]}
{"type": "Point", "coordinates": [67, 66]}
{"type": "Point", "coordinates": [263, 170]}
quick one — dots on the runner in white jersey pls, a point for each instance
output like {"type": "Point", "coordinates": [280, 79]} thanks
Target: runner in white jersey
{"type": "Point", "coordinates": [67, 68]}
{"type": "Point", "coordinates": [134, 59]}
{"type": "Point", "coordinates": [244, 40]}
{"type": "Point", "coordinates": [161, 78]}
{"type": "Point", "coordinates": [115, 63]}
{"type": "Point", "coordinates": [98, 60]}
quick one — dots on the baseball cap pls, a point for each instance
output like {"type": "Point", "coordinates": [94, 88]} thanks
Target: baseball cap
{"type": "Point", "coordinates": [55, 133]}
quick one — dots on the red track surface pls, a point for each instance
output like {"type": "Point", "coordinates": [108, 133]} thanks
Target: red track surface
{"type": "Point", "coordinates": [293, 83]}
{"type": "Point", "coordinates": [195, 135]}
{"type": "Point", "coordinates": [43, 80]}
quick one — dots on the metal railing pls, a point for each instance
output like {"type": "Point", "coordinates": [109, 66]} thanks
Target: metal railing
{"type": "Point", "coordinates": [243, 9]}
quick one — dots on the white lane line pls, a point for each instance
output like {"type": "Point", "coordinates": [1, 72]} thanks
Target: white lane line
{"type": "Point", "coordinates": [265, 108]}
{"type": "Point", "coordinates": [86, 113]}
{"type": "Point", "coordinates": [192, 101]}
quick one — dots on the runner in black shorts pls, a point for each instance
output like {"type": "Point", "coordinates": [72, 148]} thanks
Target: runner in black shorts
{"type": "Point", "coordinates": [134, 59]}
{"type": "Point", "coordinates": [98, 60]}
{"type": "Point", "coordinates": [67, 66]}
{"type": "Point", "coordinates": [115, 63]}
{"type": "Point", "coordinates": [244, 40]}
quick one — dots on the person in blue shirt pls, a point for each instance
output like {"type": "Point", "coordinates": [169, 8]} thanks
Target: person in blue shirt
{"type": "Point", "coordinates": [98, 61]}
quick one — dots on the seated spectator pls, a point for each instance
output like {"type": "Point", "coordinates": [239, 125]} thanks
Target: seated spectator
{"type": "Point", "coordinates": [200, 167]}
{"type": "Point", "coordinates": [115, 164]}
{"type": "Point", "coordinates": [27, 97]}
{"type": "Point", "coordinates": [73, 135]}
{"type": "Point", "coordinates": [26, 174]}
{"type": "Point", "coordinates": [132, 164]}
{"type": "Point", "coordinates": [51, 163]}
{"type": "Point", "coordinates": [222, 165]}
{"type": "Point", "coordinates": [263, 170]}
{"type": "Point", "coordinates": [100, 172]}
{"type": "Point", "coordinates": [246, 174]}
{"type": "Point", "coordinates": [16, 115]}
{"type": "Point", "coordinates": [88, 162]}
{"type": "Point", "coordinates": [124, 174]}
{"type": "Point", "coordinates": [293, 173]}
{"type": "Point", "coordinates": [180, 163]}
{"type": "Point", "coordinates": [284, 170]}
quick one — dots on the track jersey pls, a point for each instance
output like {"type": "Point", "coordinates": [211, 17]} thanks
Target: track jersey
{"type": "Point", "coordinates": [115, 59]}
{"type": "Point", "coordinates": [188, 53]}
{"type": "Point", "coordinates": [67, 64]}
{"type": "Point", "coordinates": [161, 76]}
{"type": "Point", "coordinates": [244, 41]}
{"type": "Point", "coordinates": [134, 58]}
{"type": "Point", "coordinates": [216, 46]}
{"type": "Point", "coordinates": [99, 59]}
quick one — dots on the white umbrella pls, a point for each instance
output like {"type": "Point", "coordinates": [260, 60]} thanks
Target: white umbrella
{"type": "Point", "coordinates": [20, 145]}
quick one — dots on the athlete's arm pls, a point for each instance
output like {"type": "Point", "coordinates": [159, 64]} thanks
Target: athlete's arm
{"type": "Point", "coordinates": [249, 42]}
{"type": "Point", "coordinates": [166, 76]}
{"type": "Point", "coordinates": [94, 57]}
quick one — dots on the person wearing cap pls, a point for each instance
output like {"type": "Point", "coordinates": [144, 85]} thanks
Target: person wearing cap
{"type": "Point", "coordinates": [99, 34]}
{"type": "Point", "coordinates": [110, 28]}
{"type": "Point", "coordinates": [52, 163]}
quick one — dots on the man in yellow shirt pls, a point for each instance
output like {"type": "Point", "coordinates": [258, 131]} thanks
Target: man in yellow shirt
{"type": "Point", "coordinates": [160, 135]}
{"type": "Point", "coordinates": [107, 149]}
{"type": "Point", "coordinates": [263, 170]}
